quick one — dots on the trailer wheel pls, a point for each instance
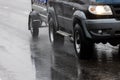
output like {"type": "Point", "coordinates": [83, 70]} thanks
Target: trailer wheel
{"type": "Point", "coordinates": [34, 30]}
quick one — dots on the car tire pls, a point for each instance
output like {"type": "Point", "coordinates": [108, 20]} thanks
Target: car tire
{"type": "Point", "coordinates": [119, 50]}
{"type": "Point", "coordinates": [55, 39]}
{"type": "Point", "coordinates": [34, 31]}
{"type": "Point", "coordinates": [83, 47]}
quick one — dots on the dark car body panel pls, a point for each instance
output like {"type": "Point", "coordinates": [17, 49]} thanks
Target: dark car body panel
{"type": "Point", "coordinates": [67, 11]}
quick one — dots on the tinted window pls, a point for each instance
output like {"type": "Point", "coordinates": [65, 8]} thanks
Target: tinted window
{"type": "Point", "coordinates": [80, 1]}
{"type": "Point", "coordinates": [39, 1]}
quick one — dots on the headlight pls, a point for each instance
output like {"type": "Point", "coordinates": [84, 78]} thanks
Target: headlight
{"type": "Point", "coordinates": [100, 10]}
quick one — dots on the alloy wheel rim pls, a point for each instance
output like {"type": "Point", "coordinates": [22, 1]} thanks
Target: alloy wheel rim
{"type": "Point", "coordinates": [77, 42]}
{"type": "Point", "coordinates": [51, 34]}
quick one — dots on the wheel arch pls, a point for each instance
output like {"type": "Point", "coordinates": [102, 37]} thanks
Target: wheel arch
{"type": "Point", "coordinates": [51, 13]}
{"type": "Point", "coordinates": [79, 17]}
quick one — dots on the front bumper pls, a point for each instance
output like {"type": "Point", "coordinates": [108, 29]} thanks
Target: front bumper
{"type": "Point", "coordinates": [103, 28]}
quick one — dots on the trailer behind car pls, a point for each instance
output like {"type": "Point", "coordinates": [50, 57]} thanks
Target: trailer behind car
{"type": "Point", "coordinates": [37, 16]}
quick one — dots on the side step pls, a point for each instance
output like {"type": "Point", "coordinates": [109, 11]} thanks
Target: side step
{"type": "Point", "coordinates": [64, 33]}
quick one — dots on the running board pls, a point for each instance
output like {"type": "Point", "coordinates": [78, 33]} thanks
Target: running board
{"type": "Point", "coordinates": [71, 39]}
{"type": "Point", "coordinates": [63, 33]}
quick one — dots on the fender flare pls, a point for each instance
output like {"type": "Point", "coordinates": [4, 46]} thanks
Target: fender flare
{"type": "Point", "coordinates": [80, 15]}
{"type": "Point", "coordinates": [51, 13]}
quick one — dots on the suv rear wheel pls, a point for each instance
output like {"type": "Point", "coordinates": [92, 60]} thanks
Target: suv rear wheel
{"type": "Point", "coordinates": [34, 31]}
{"type": "Point", "coordinates": [83, 47]}
{"type": "Point", "coordinates": [55, 39]}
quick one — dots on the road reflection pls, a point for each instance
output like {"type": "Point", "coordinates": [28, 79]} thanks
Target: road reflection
{"type": "Point", "coordinates": [104, 65]}
{"type": "Point", "coordinates": [40, 54]}
{"type": "Point", "coordinates": [61, 63]}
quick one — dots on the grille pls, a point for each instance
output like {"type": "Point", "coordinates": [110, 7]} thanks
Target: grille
{"type": "Point", "coordinates": [116, 10]}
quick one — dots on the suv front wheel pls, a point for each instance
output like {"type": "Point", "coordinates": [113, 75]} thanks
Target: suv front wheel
{"type": "Point", "coordinates": [83, 47]}
{"type": "Point", "coordinates": [55, 38]}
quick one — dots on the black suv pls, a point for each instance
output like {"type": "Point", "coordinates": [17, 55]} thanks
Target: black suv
{"type": "Point", "coordinates": [85, 21]}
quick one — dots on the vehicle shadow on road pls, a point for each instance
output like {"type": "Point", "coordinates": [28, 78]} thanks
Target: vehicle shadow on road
{"type": "Point", "coordinates": [61, 63]}
{"type": "Point", "coordinates": [104, 64]}
{"type": "Point", "coordinates": [40, 54]}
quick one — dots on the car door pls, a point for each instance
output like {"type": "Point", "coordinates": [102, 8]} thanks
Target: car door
{"type": "Point", "coordinates": [68, 13]}
{"type": "Point", "coordinates": [58, 6]}
{"type": "Point", "coordinates": [70, 6]}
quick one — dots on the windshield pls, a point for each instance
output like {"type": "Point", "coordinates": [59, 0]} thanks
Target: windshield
{"type": "Point", "coordinates": [108, 1]}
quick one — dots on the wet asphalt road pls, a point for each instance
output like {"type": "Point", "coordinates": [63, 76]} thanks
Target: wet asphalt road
{"type": "Point", "coordinates": [62, 63]}
{"type": "Point", "coordinates": [25, 58]}
{"type": "Point", "coordinates": [15, 54]}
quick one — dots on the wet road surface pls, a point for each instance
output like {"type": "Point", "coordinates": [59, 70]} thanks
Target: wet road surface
{"type": "Point", "coordinates": [25, 58]}
{"type": "Point", "coordinates": [62, 63]}
{"type": "Point", "coordinates": [15, 57]}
